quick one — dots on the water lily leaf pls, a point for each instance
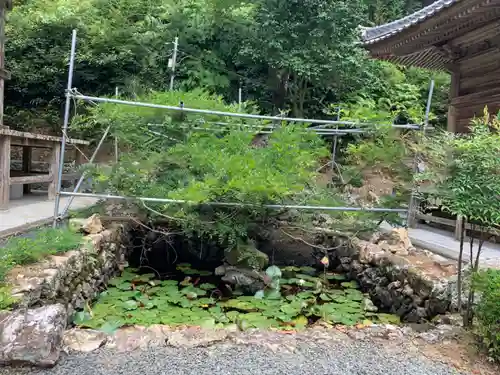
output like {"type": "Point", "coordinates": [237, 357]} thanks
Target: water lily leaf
{"type": "Point", "coordinates": [273, 294]}
{"type": "Point", "coordinates": [204, 273]}
{"type": "Point", "coordinates": [259, 294]}
{"type": "Point", "coordinates": [149, 305]}
{"type": "Point", "coordinates": [335, 276]}
{"type": "Point", "coordinates": [291, 269]}
{"type": "Point", "coordinates": [193, 289]}
{"type": "Point", "coordinates": [110, 327]}
{"type": "Point", "coordinates": [354, 295]}
{"type": "Point", "coordinates": [169, 283]}
{"type": "Point", "coordinates": [290, 309]}
{"type": "Point", "coordinates": [232, 315]}
{"type": "Point", "coordinates": [130, 305]}
{"type": "Point", "coordinates": [207, 286]}
{"type": "Point", "coordinates": [309, 270]}
{"type": "Point", "coordinates": [304, 295]}
{"type": "Point", "coordinates": [240, 305]}
{"type": "Point", "coordinates": [306, 277]}
{"type": "Point", "coordinates": [124, 286]}
{"type": "Point", "coordinates": [183, 265]}
{"type": "Point", "coordinates": [350, 284]}
{"type": "Point", "coordinates": [325, 297]}
{"type": "Point", "coordinates": [300, 322]}
{"type": "Point", "coordinates": [273, 272]}
{"type": "Point", "coordinates": [143, 278]}
{"type": "Point", "coordinates": [81, 317]}
{"type": "Point", "coordinates": [388, 318]}
{"type": "Point", "coordinates": [191, 295]}
{"type": "Point", "coordinates": [186, 281]}
{"type": "Point", "coordinates": [208, 323]}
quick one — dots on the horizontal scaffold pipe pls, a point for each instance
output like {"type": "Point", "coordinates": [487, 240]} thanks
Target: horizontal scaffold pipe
{"type": "Point", "coordinates": [216, 113]}
{"type": "Point", "coordinates": [236, 204]}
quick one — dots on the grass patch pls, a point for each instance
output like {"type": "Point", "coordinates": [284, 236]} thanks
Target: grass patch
{"type": "Point", "coordinates": [25, 250]}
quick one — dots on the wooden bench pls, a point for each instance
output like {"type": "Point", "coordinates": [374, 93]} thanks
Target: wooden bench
{"type": "Point", "coordinates": [28, 141]}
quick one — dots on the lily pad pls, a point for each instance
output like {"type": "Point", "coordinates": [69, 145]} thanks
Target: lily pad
{"type": "Point", "coordinates": [169, 282]}
{"type": "Point", "coordinates": [207, 286]}
{"type": "Point", "coordinates": [350, 284]}
{"type": "Point", "coordinates": [388, 318]}
{"type": "Point", "coordinates": [309, 270]}
{"type": "Point", "coordinates": [130, 305]}
{"type": "Point", "coordinates": [335, 276]}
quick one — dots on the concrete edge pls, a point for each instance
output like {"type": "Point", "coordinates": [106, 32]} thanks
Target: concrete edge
{"type": "Point", "coordinates": [427, 245]}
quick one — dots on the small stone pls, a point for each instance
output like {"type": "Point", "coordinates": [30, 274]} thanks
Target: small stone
{"type": "Point", "coordinates": [92, 225]}
{"type": "Point", "coordinates": [369, 306]}
{"type": "Point", "coordinates": [84, 340]}
{"type": "Point", "coordinates": [33, 336]}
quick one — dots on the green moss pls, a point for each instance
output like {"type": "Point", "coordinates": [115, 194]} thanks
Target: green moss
{"type": "Point", "coordinates": [23, 250]}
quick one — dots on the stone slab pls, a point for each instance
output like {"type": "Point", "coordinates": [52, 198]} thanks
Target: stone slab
{"type": "Point", "coordinates": [443, 243]}
{"type": "Point", "coordinates": [34, 211]}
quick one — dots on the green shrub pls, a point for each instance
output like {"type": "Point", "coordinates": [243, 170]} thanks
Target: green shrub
{"type": "Point", "coordinates": [488, 311]}
{"type": "Point", "coordinates": [173, 159]}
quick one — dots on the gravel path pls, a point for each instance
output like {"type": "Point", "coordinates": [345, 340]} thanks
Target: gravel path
{"type": "Point", "coordinates": [342, 358]}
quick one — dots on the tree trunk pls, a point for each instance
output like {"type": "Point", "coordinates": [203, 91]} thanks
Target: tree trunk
{"type": "Point", "coordinates": [460, 259]}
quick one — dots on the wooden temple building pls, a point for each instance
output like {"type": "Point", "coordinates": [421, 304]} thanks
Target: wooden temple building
{"type": "Point", "coordinates": [458, 36]}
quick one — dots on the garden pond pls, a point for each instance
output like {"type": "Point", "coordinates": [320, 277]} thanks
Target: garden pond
{"type": "Point", "coordinates": [293, 298]}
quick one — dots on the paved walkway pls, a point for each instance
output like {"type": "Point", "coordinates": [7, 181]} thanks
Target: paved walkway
{"type": "Point", "coordinates": [34, 210]}
{"type": "Point", "coordinates": [443, 243]}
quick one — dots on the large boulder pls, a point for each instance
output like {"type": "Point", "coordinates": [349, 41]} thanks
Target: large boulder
{"type": "Point", "coordinates": [247, 256]}
{"type": "Point", "coordinates": [32, 336]}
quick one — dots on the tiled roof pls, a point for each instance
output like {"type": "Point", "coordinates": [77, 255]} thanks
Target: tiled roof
{"type": "Point", "coordinates": [372, 35]}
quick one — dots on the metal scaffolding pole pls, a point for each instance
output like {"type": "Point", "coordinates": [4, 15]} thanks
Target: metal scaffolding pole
{"type": "Point", "coordinates": [65, 128]}
{"type": "Point", "coordinates": [80, 180]}
{"type": "Point", "coordinates": [412, 209]}
{"type": "Point", "coordinates": [228, 114]}
{"type": "Point", "coordinates": [236, 204]}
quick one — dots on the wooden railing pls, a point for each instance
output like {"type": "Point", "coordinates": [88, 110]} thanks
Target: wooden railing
{"type": "Point", "coordinates": [29, 141]}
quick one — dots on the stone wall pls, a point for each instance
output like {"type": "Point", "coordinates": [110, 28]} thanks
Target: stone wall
{"type": "Point", "coordinates": [75, 277]}
{"type": "Point", "coordinates": [50, 291]}
{"type": "Point", "coordinates": [412, 283]}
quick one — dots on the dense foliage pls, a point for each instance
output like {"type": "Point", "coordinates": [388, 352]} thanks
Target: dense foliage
{"type": "Point", "coordinates": [488, 311]}
{"type": "Point", "coordinates": [200, 158]}
{"type": "Point", "coordinates": [293, 56]}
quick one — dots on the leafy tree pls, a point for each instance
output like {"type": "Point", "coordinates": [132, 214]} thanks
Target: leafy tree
{"type": "Point", "coordinates": [307, 45]}
{"type": "Point", "coordinates": [465, 170]}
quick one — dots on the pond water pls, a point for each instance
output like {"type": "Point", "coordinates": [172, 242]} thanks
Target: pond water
{"type": "Point", "coordinates": [293, 298]}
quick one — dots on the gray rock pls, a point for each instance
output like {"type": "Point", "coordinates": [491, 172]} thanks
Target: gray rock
{"type": "Point", "coordinates": [247, 256]}
{"type": "Point", "coordinates": [33, 336]}
{"type": "Point", "coordinates": [369, 306]}
{"type": "Point", "coordinates": [84, 340]}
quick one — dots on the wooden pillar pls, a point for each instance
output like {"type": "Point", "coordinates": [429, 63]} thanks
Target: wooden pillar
{"type": "Point", "coordinates": [4, 171]}
{"type": "Point", "coordinates": [454, 92]}
{"type": "Point", "coordinates": [27, 157]}
{"type": "Point", "coordinates": [54, 169]}
{"type": "Point", "coordinates": [2, 58]}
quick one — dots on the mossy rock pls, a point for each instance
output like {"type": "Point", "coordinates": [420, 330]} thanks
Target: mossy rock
{"type": "Point", "coordinates": [246, 255]}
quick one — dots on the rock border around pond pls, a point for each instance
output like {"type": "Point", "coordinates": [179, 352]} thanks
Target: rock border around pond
{"type": "Point", "coordinates": [384, 268]}
{"type": "Point", "coordinates": [48, 293]}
